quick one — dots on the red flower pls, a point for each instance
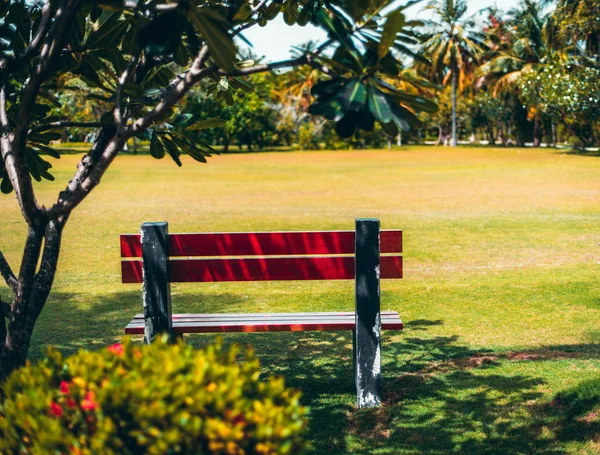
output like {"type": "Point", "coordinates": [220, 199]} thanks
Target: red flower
{"type": "Point", "coordinates": [88, 403]}
{"type": "Point", "coordinates": [71, 403]}
{"type": "Point", "coordinates": [55, 410]}
{"type": "Point", "coordinates": [64, 387]}
{"type": "Point", "coordinates": [117, 349]}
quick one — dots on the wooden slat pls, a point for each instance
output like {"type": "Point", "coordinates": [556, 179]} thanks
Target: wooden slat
{"type": "Point", "coordinates": [262, 269]}
{"type": "Point", "coordinates": [261, 243]}
{"type": "Point", "coordinates": [249, 244]}
{"type": "Point", "coordinates": [250, 269]}
{"type": "Point", "coordinates": [390, 241]}
{"type": "Point", "coordinates": [391, 267]}
{"type": "Point", "coordinates": [297, 324]}
{"type": "Point", "coordinates": [266, 316]}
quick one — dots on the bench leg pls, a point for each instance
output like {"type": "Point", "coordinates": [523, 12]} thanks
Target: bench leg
{"type": "Point", "coordinates": [354, 356]}
{"type": "Point", "coordinates": [367, 349]}
{"type": "Point", "coordinates": [157, 288]}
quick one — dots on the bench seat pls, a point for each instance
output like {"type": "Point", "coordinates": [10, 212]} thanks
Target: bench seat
{"type": "Point", "coordinates": [265, 322]}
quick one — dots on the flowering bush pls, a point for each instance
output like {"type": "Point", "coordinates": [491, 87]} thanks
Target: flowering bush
{"type": "Point", "coordinates": [157, 399]}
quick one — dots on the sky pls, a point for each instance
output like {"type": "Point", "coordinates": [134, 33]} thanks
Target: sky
{"type": "Point", "coordinates": [275, 40]}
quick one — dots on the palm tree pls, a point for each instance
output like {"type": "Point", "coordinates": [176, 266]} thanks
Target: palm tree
{"type": "Point", "coordinates": [534, 43]}
{"type": "Point", "coordinates": [578, 23]}
{"type": "Point", "coordinates": [452, 48]}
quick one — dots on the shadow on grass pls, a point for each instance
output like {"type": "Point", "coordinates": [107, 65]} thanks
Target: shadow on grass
{"type": "Point", "coordinates": [71, 322]}
{"type": "Point", "coordinates": [440, 396]}
{"type": "Point", "coordinates": [590, 153]}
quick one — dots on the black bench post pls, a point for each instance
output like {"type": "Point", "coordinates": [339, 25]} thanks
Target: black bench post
{"type": "Point", "coordinates": [367, 350]}
{"type": "Point", "coordinates": [156, 287]}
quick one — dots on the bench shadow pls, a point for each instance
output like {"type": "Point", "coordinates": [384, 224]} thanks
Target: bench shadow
{"type": "Point", "coordinates": [440, 396]}
{"type": "Point", "coordinates": [71, 322]}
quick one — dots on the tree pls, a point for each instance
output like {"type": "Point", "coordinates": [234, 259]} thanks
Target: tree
{"type": "Point", "coordinates": [453, 48]}
{"type": "Point", "coordinates": [569, 93]}
{"type": "Point", "coordinates": [578, 23]}
{"type": "Point", "coordinates": [140, 59]}
{"type": "Point", "coordinates": [534, 43]}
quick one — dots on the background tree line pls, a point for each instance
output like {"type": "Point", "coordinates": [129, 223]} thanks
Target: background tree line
{"type": "Point", "coordinates": [529, 74]}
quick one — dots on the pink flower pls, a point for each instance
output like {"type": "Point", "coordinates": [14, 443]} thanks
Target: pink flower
{"type": "Point", "coordinates": [55, 410]}
{"type": "Point", "coordinates": [64, 387]}
{"type": "Point", "coordinates": [88, 403]}
{"type": "Point", "coordinates": [117, 349]}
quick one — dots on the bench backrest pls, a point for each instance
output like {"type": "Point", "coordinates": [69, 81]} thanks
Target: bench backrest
{"type": "Point", "coordinates": [259, 256]}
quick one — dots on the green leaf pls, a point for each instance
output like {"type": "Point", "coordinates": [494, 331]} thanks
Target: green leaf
{"type": "Point", "coordinates": [404, 118]}
{"type": "Point", "coordinates": [45, 137]}
{"type": "Point", "coordinates": [336, 30]}
{"type": "Point", "coordinates": [244, 12]}
{"type": "Point", "coordinates": [327, 87]}
{"type": "Point", "coordinates": [346, 126]}
{"type": "Point", "coordinates": [157, 149]}
{"type": "Point", "coordinates": [196, 154]}
{"type": "Point", "coordinates": [393, 25]}
{"type": "Point", "coordinates": [353, 95]}
{"type": "Point", "coordinates": [228, 98]}
{"type": "Point", "coordinates": [162, 36]}
{"type": "Point", "coordinates": [182, 120]}
{"type": "Point", "coordinates": [215, 31]}
{"type": "Point", "coordinates": [160, 76]}
{"type": "Point", "coordinates": [305, 15]}
{"type": "Point", "coordinates": [206, 124]}
{"type": "Point", "coordinates": [365, 121]}
{"type": "Point", "coordinates": [6, 187]}
{"type": "Point", "coordinates": [48, 150]}
{"type": "Point", "coordinates": [241, 84]}
{"type": "Point", "coordinates": [130, 42]}
{"type": "Point", "coordinates": [182, 55]}
{"type": "Point", "coordinates": [115, 58]}
{"type": "Point", "coordinates": [172, 150]}
{"type": "Point", "coordinates": [109, 34]}
{"type": "Point", "coordinates": [390, 129]}
{"type": "Point", "coordinates": [378, 105]}
{"type": "Point", "coordinates": [290, 14]}
{"type": "Point", "coordinates": [330, 108]}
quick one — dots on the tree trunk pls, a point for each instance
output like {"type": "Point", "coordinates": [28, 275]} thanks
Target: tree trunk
{"type": "Point", "coordinates": [491, 135]}
{"type": "Point", "coordinates": [454, 142]}
{"type": "Point", "coordinates": [32, 293]}
{"type": "Point", "coordinates": [536, 127]}
{"type": "Point", "coordinates": [440, 136]}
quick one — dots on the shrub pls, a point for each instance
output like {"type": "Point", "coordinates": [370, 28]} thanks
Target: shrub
{"type": "Point", "coordinates": [576, 143]}
{"type": "Point", "coordinates": [157, 399]}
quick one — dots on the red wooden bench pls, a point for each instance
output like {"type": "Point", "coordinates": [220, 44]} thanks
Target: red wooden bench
{"type": "Point", "coordinates": [365, 255]}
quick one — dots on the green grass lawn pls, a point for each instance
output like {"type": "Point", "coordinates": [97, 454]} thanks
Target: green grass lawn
{"type": "Point", "coordinates": [501, 296]}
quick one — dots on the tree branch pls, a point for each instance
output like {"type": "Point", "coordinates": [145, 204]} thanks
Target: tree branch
{"type": "Point", "coordinates": [40, 33]}
{"type": "Point", "coordinates": [123, 80]}
{"type": "Point", "coordinates": [64, 124]}
{"type": "Point", "coordinates": [299, 61]}
{"type": "Point", "coordinates": [50, 50]}
{"type": "Point", "coordinates": [47, 271]}
{"type": "Point", "coordinates": [7, 274]}
{"type": "Point", "coordinates": [9, 64]}
{"type": "Point", "coordinates": [90, 171]}
{"type": "Point", "coordinates": [94, 165]}
{"type": "Point", "coordinates": [17, 173]}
